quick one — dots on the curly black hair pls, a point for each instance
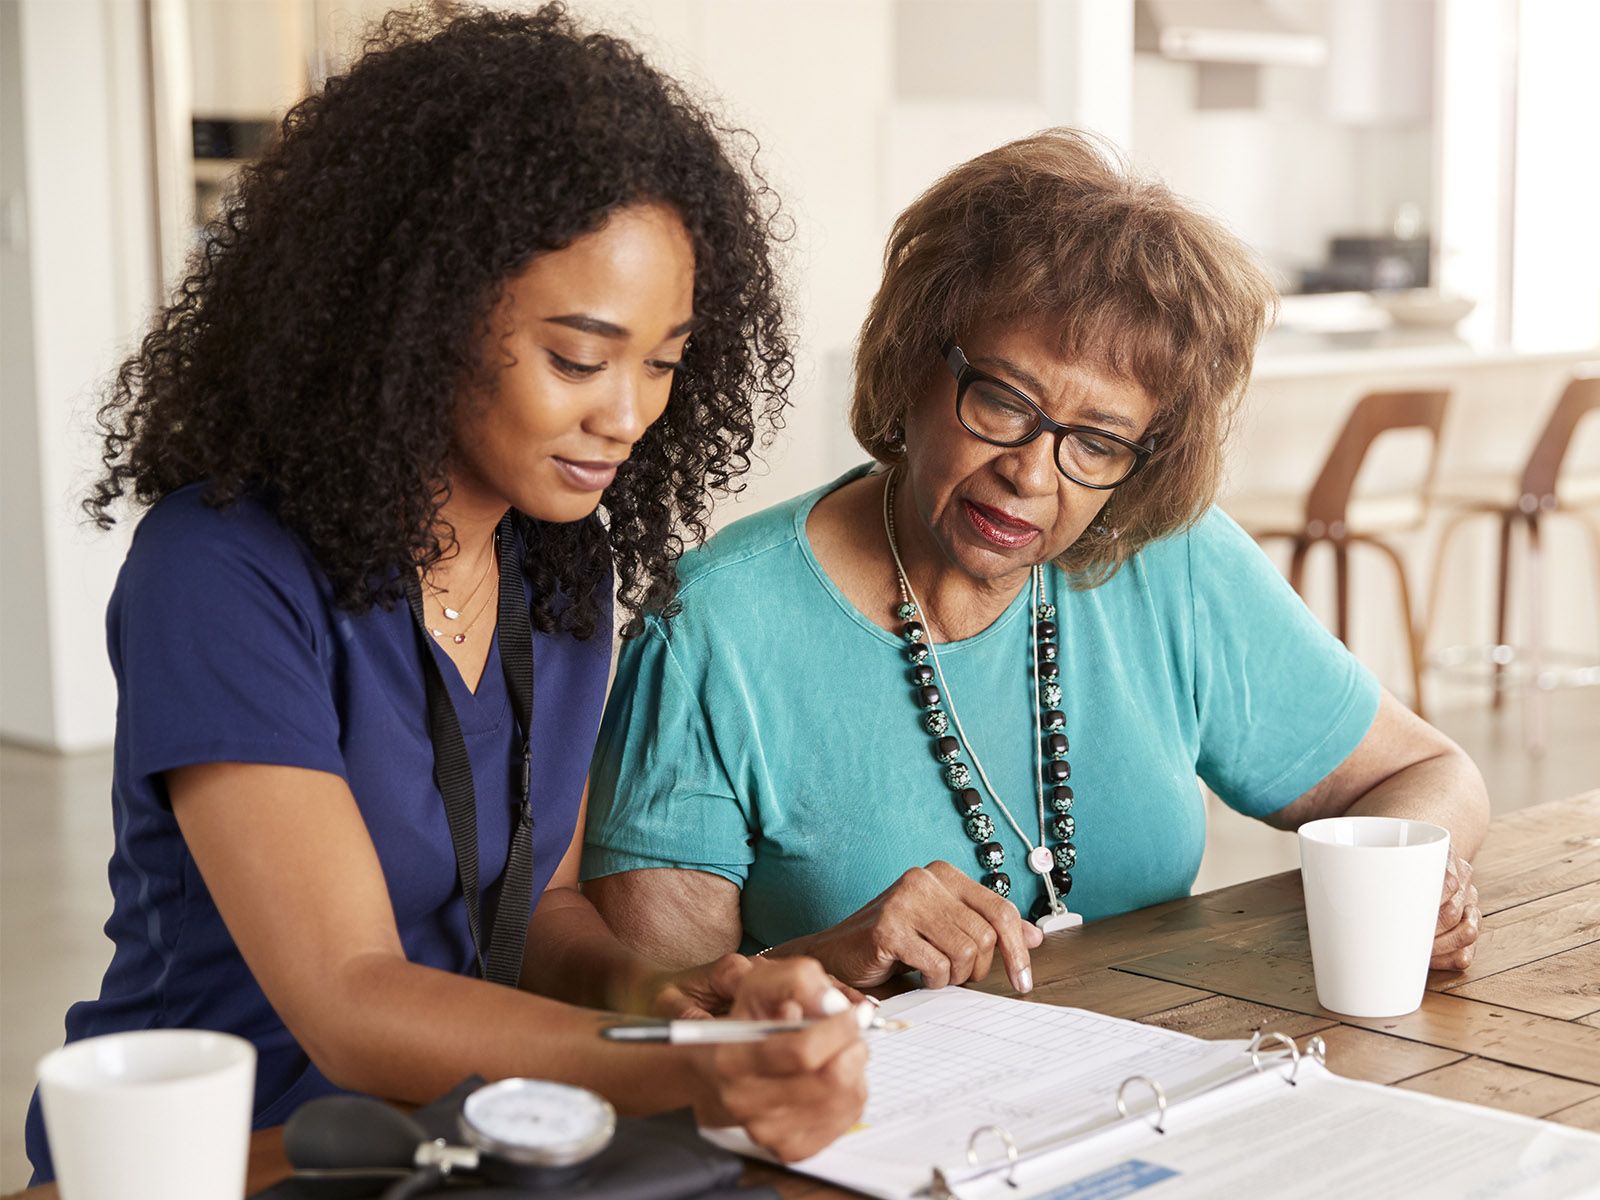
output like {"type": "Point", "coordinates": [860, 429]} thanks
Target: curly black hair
{"type": "Point", "coordinates": [336, 310]}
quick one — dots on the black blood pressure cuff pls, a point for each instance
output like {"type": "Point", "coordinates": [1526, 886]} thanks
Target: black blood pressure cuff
{"type": "Point", "coordinates": [649, 1158]}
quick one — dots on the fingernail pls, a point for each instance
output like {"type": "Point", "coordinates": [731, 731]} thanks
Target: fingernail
{"type": "Point", "coordinates": [865, 1014]}
{"type": "Point", "coordinates": [1026, 979]}
{"type": "Point", "coordinates": [835, 1002]}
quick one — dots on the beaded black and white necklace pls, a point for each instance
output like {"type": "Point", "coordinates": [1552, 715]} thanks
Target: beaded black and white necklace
{"type": "Point", "coordinates": [1054, 867]}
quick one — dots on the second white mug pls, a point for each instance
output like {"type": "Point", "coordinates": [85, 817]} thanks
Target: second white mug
{"type": "Point", "coordinates": [1373, 887]}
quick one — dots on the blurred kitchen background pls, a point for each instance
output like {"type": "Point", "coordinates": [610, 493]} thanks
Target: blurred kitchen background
{"type": "Point", "coordinates": [1421, 176]}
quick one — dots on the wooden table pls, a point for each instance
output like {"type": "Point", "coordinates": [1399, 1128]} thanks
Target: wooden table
{"type": "Point", "coordinates": [1519, 1030]}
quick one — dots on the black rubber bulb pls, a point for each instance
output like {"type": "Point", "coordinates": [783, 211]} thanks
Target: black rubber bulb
{"type": "Point", "coordinates": [351, 1132]}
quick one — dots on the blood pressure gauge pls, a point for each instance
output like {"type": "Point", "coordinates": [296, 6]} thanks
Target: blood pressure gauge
{"type": "Point", "coordinates": [522, 1133]}
{"type": "Point", "coordinates": [536, 1127]}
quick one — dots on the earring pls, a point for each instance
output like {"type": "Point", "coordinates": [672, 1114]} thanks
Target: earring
{"type": "Point", "coordinates": [1101, 528]}
{"type": "Point", "coordinates": [897, 438]}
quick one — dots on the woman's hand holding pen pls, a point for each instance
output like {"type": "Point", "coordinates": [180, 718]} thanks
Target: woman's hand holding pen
{"type": "Point", "coordinates": [934, 919]}
{"type": "Point", "coordinates": [794, 1093]}
{"type": "Point", "coordinates": [696, 993]}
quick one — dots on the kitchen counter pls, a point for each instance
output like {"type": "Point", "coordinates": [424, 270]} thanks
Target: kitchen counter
{"type": "Point", "coordinates": [1306, 382]}
{"type": "Point", "coordinates": [1292, 354]}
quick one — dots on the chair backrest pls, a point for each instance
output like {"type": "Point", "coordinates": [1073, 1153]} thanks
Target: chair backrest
{"type": "Point", "coordinates": [1375, 413]}
{"type": "Point", "coordinates": [1581, 397]}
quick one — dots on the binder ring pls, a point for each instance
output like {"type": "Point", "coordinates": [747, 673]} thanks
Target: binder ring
{"type": "Point", "coordinates": [1160, 1094]}
{"type": "Point", "coordinates": [1261, 1039]}
{"type": "Point", "coordinates": [1010, 1144]}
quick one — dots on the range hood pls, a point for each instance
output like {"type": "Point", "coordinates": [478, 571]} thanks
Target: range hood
{"type": "Point", "coordinates": [1241, 32]}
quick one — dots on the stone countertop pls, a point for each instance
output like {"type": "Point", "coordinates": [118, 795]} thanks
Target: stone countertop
{"type": "Point", "coordinates": [1292, 354]}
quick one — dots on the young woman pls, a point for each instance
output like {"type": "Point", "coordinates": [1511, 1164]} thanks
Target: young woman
{"type": "Point", "coordinates": [497, 280]}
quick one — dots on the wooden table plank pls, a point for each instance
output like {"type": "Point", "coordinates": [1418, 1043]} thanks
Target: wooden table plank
{"type": "Point", "coordinates": [1514, 937]}
{"type": "Point", "coordinates": [1538, 852]}
{"type": "Point", "coordinates": [1377, 1057]}
{"type": "Point", "coordinates": [1583, 1115]}
{"type": "Point", "coordinates": [1565, 985]}
{"type": "Point", "coordinates": [1217, 1018]}
{"type": "Point", "coordinates": [1108, 943]}
{"type": "Point", "coordinates": [1445, 1020]}
{"type": "Point", "coordinates": [1114, 993]}
{"type": "Point", "coordinates": [1480, 1081]}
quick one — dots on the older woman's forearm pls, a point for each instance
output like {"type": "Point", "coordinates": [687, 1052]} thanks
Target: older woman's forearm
{"type": "Point", "coordinates": [1445, 789]}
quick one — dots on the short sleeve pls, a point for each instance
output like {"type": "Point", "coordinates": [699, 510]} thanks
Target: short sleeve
{"type": "Point", "coordinates": [214, 635]}
{"type": "Point", "coordinates": [1280, 701]}
{"type": "Point", "coordinates": [659, 795]}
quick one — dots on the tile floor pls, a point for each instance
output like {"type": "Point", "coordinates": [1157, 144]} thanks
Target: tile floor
{"type": "Point", "coordinates": [55, 837]}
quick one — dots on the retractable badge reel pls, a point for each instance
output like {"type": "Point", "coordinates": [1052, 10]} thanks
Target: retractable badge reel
{"type": "Point", "coordinates": [521, 1133]}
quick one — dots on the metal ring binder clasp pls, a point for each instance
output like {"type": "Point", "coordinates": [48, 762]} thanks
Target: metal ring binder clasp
{"type": "Point", "coordinates": [1010, 1143]}
{"type": "Point", "coordinates": [1261, 1039]}
{"type": "Point", "coordinates": [1160, 1094]}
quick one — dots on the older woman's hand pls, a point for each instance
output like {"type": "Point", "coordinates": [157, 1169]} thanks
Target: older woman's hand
{"type": "Point", "coordinates": [936, 920]}
{"type": "Point", "coordinates": [1455, 938]}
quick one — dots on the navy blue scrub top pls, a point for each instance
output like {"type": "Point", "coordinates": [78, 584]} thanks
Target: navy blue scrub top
{"type": "Point", "coordinates": [227, 647]}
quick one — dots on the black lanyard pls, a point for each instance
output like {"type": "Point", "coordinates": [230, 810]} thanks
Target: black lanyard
{"type": "Point", "coordinates": [452, 771]}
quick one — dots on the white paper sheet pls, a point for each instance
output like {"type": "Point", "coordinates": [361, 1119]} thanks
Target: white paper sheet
{"type": "Point", "coordinates": [969, 1059]}
{"type": "Point", "coordinates": [1326, 1139]}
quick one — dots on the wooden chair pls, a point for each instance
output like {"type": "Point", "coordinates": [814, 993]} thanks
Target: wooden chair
{"type": "Point", "coordinates": [1333, 512]}
{"type": "Point", "coordinates": [1543, 489]}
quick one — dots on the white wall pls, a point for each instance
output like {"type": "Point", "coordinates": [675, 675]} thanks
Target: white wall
{"type": "Point", "coordinates": [26, 704]}
{"type": "Point", "coordinates": [1557, 303]}
{"type": "Point", "coordinates": [79, 274]}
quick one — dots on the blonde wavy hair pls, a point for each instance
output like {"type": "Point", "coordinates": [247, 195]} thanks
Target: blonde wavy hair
{"type": "Point", "coordinates": [1056, 227]}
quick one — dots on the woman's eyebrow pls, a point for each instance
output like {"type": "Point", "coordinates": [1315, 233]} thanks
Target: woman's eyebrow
{"type": "Point", "coordinates": [1102, 416]}
{"type": "Point", "coordinates": [1029, 381]}
{"type": "Point", "coordinates": [1036, 389]}
{"type": "Point", "coordinates": [584, 323]}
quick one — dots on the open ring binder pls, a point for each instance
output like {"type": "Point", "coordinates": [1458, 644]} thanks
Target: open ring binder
{"type": "Point", "coordinates": [1161, 1099]}
{"type": "Point", "coordinates": [1010, 1142]}
{"type": "Point", "coordinates": [1265, 1052]}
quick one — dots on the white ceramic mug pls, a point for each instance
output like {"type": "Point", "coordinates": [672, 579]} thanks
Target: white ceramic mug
{"type": "Point", "coordinates": [1373, 887]}
{"type": "Point", "coordinates": [157, 1114]}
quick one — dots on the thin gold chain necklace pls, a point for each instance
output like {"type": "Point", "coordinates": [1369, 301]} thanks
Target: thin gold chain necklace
{"type": "Point", "coordinates": [460, 635]}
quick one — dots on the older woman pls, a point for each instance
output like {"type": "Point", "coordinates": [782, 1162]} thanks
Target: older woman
{"type": "Point", "coordinates": [1008, 648]}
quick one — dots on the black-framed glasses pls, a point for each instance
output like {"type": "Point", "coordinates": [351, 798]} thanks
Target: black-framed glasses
{"type": "Point", "coordinates": [995, 412]}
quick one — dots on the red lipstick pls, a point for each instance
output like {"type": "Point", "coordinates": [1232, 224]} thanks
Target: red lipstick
{"type": "Point", "coordinates": [998, 527]}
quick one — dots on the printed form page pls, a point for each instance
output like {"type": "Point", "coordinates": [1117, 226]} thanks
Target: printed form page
{"type": "Point", "coordinates": [1328, 1138]}
{"type": "Point", "coordinates": [968, 1060]}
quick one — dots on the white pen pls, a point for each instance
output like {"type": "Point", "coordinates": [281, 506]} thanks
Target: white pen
{"type": "Point", "coordinates": [722, 1031]}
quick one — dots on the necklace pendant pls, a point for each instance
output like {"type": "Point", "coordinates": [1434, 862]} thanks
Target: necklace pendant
{"type": "Point", "coordinates": [1051, 922]}
{"type": "Point", "coordinates": [1040, 860]}
{"type": "Point", "coordinates": [438, 633]}
{"type": "Point", "coordinates": [458, 638]}
{"type": "Point", "coordinates": [451, 614]}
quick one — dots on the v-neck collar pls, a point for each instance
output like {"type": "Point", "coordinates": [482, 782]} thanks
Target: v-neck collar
{"type": "Point", "coordinates": [485, 709]}
{"type": "Point", "coordinates": [803, 513]}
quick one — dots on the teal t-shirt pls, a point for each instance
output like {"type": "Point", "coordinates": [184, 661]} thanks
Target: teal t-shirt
{"type": "Point", "coordinates": [768, 733]}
